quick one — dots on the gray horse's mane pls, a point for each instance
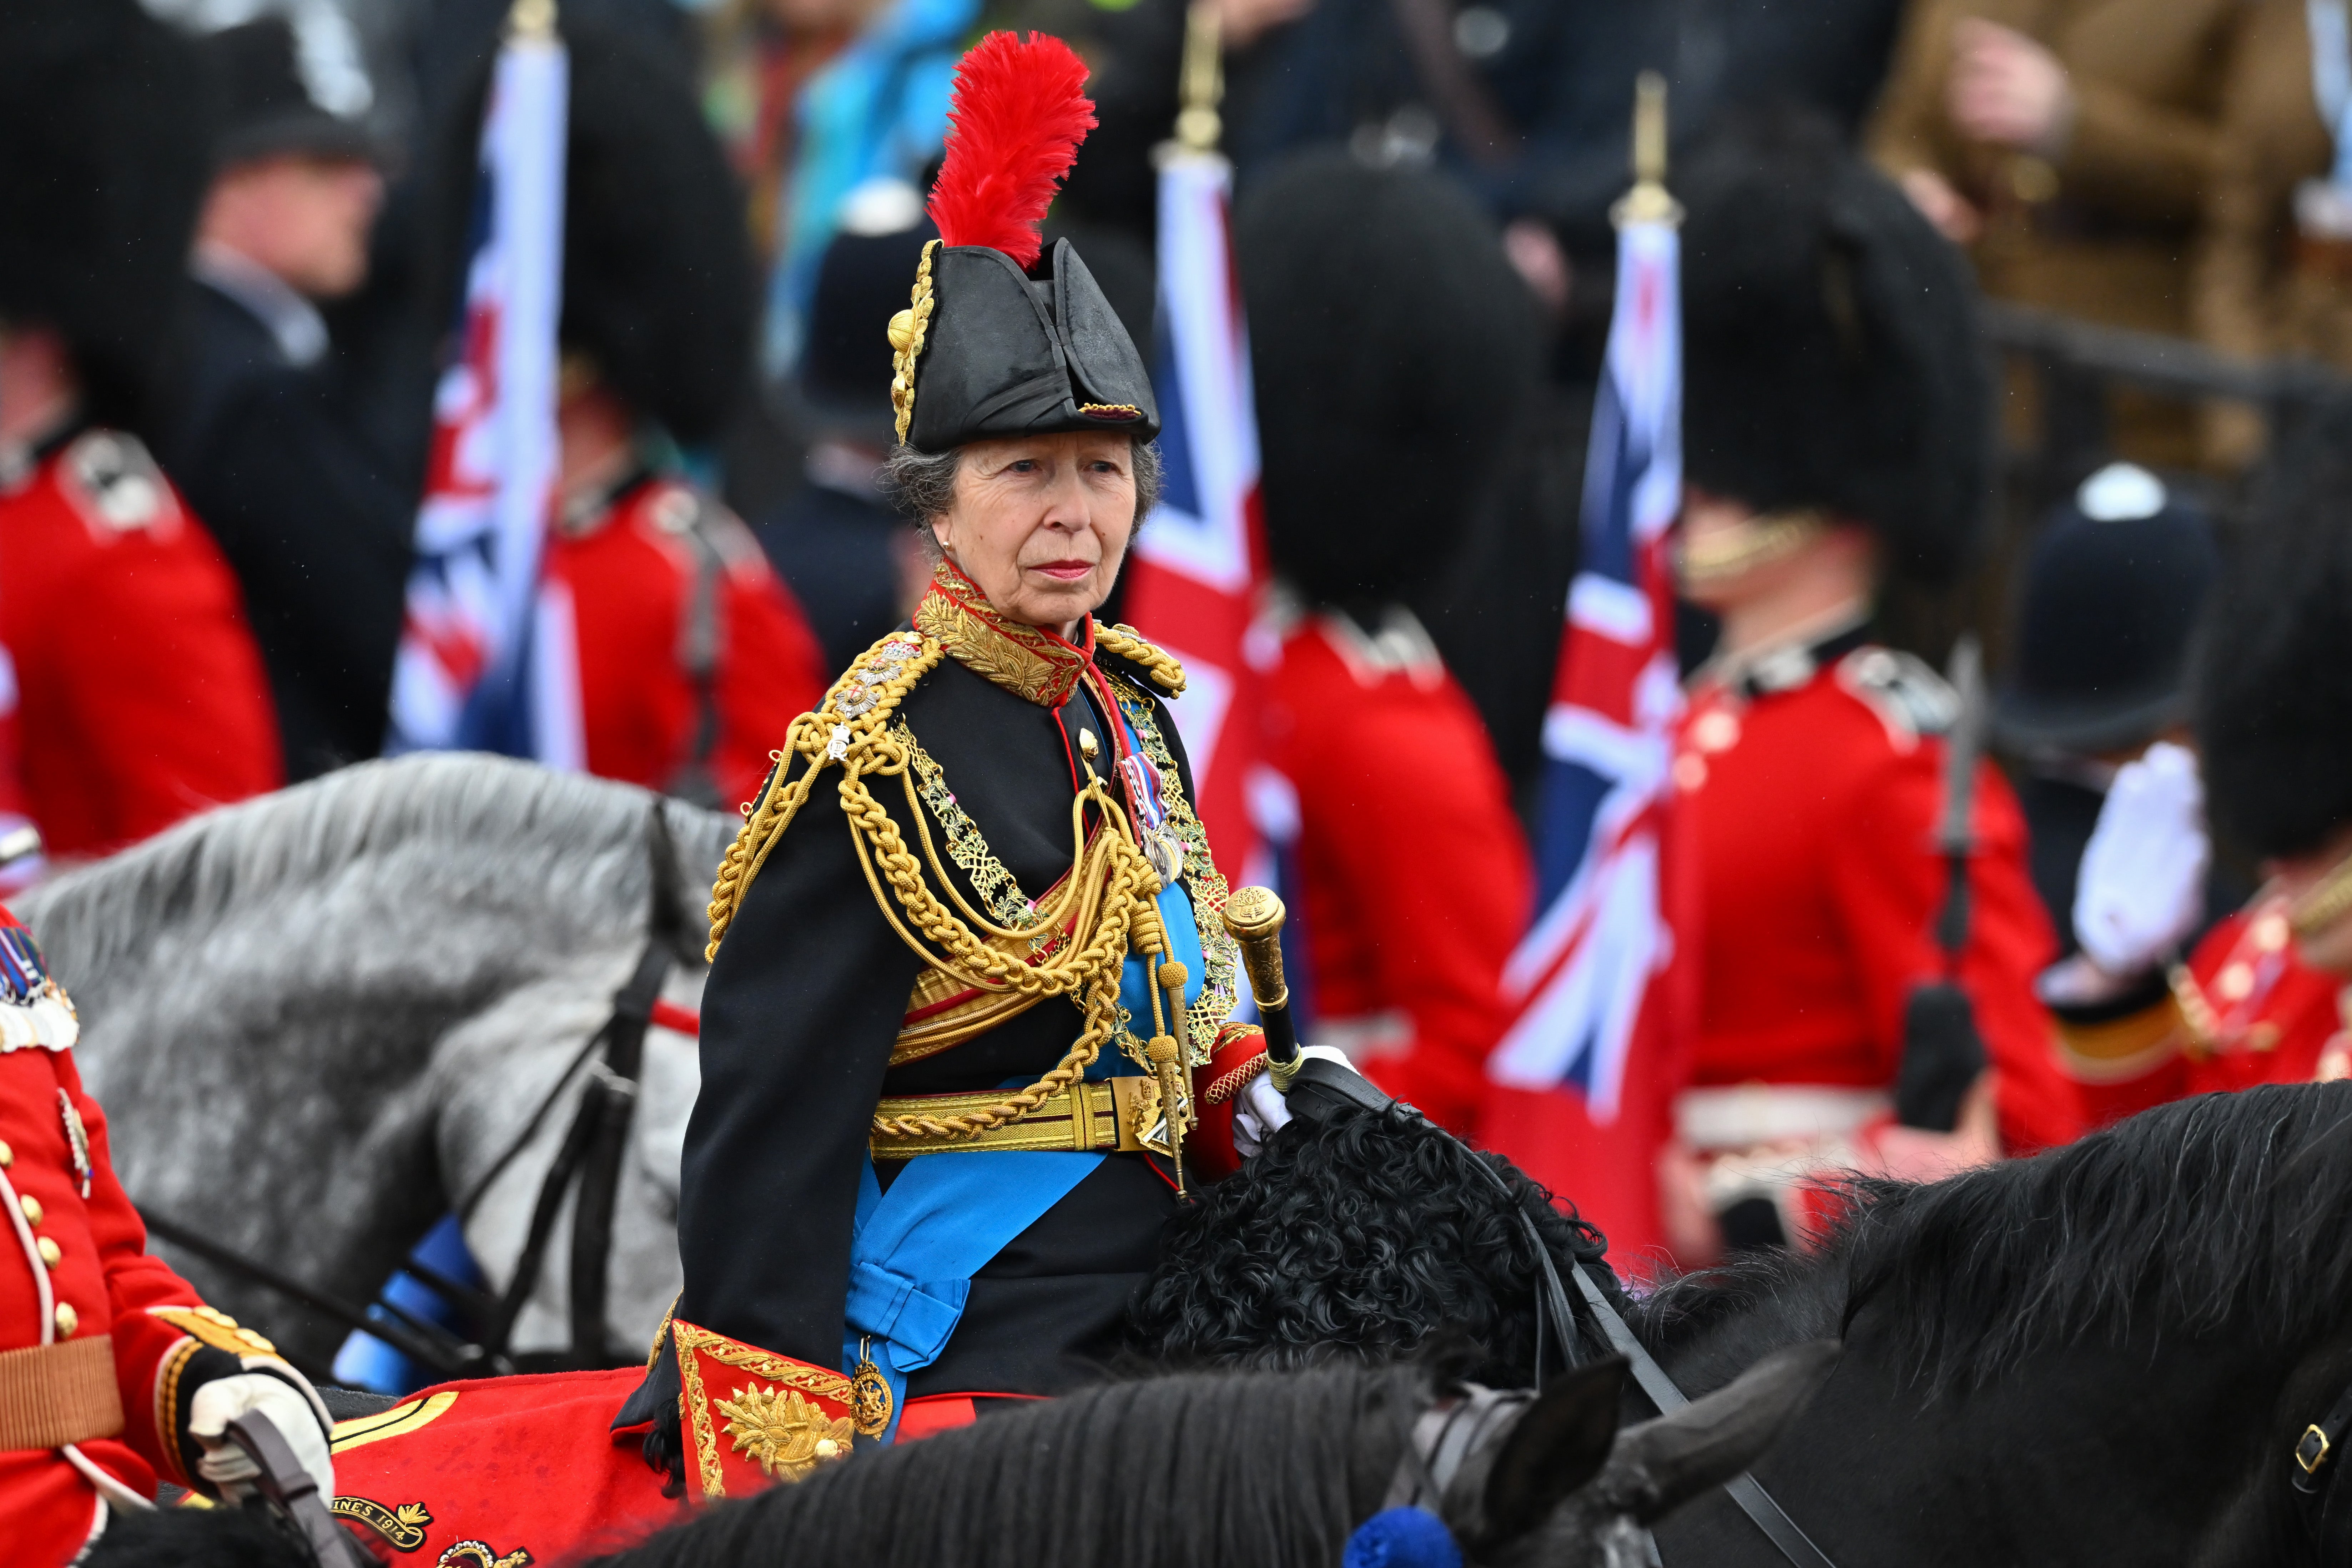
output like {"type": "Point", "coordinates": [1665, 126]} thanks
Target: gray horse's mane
{"type": "Point", "coordinates": [502, 820]}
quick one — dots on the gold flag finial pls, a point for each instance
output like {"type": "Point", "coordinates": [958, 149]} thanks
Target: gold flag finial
{"type": "Point", "coordinates": [532, 19]}
{"type": "Point", "coordinates": [1200, 87]}
{"type": "Point", "coordinates": [1648, 202]}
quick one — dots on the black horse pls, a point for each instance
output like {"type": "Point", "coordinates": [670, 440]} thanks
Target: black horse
{"type": "Point", "coordinates": [1235, 1469]}
{"type": "Point", "coordinates": [2106, 1353]}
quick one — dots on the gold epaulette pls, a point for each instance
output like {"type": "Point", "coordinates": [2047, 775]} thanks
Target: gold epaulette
{"type": "Point", "coordinates": [843, 729]}
{"type": "Point", "coordinates": [1141, 651]}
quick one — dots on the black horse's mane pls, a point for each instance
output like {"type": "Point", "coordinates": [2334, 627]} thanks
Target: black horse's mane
{"type": "Point", "coordinates": [2226, 1213]}
{"type": "Point", "coordinates": [1356, 1239]}
{"type": "Point", "coordinates": [1269, 1469]}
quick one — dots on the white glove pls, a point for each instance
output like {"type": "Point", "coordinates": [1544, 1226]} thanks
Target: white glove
{"type": "Point", "coordinates": [230, 1468]}
{"type": "Point", "coordinates": [2142, 885]}
{"type": "Point", "coordinates": [1260, 1111]}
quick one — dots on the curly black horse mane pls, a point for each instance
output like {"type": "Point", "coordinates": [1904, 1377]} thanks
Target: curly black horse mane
{"type": "Point", "coordinates": [1356, 1239]}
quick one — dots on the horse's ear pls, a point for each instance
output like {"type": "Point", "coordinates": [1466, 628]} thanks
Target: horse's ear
{"type": "Point", "coordinates": [1663, 1464]}
{"type": "Point", "coordinates": [1558, 1446]}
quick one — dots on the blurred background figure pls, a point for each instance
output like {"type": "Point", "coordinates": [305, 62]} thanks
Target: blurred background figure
{"type": "Point", "coordinates": [2274, 269]}
{"type": "Point", "coordinates": [2069, 147]}
{"type": "Point", "coordinates": [1836, 432]}
{"type": "Point", "coordinates": [823, 103]}
{"type": "Point", "coordinates": [689, 657]}
{"type": "Point", "coordinates": [1394, 351]}
{"type": "Point", "coordinates": [260, 433]}
{"type": "Point", "coordinates": [140, 690]}
{"type": "Point", "coordinates": [2094, 712]}
{"type": "Point", "coordinates": [850, 559]}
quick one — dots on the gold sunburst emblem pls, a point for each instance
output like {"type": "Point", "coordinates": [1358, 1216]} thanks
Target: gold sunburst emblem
{"type": "Point", "coordinates": [785, 1433]}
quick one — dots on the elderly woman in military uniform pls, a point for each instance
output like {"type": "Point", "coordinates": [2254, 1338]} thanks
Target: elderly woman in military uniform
{"type": "Point", "coordinates": [966, 1039]}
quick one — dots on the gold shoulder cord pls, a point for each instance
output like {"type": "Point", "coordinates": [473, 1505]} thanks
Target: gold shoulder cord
{"type": "Point", "coordinates": [1110, 877]}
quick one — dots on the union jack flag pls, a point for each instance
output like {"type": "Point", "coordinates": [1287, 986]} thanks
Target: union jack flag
{"type": "Point", "coordinates": [485, 659]}
{"type": "Point", "coordinates": [1581, 1082]}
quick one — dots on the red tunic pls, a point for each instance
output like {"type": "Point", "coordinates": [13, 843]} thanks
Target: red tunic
{"type": "Point", "coordinates": [1414, 870]}
{"type": "Point", "coordinates": [2263, 1015]}
{"type": "Point", "coordinates": [141, 691]}
{"type": "Point", "coordinates": [89, 1255]}
{"type": "Point", "coordinates": [633, 572]}
{"type": "Point", "coordinates": [1810, 811]}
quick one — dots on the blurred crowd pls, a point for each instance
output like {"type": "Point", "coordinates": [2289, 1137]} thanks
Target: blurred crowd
{"type": "Point", "coordinates": [219, 373]}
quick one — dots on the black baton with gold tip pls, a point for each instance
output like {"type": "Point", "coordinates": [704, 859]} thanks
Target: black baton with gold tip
{"type": "Point", "coordinates": [1313, 1088]}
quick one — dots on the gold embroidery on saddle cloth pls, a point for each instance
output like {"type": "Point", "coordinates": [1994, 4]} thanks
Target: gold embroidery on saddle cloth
{"type": "Point", "coordinates": [401, 1526]}
{"type": "Point", "coordinates": [482, 1554]}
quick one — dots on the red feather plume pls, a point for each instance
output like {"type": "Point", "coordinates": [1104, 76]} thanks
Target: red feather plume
{"type": "Point", "coordinates": [1018, 115]}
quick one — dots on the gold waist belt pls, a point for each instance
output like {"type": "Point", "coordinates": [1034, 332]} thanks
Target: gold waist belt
{"type": "Point", "coordinates": [1116, 1115]}
{"type": "Point", "coordinates": [58, 1393]}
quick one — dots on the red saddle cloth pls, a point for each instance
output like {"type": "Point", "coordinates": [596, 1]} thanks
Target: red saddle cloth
{"type": "Point", "coordinates": [474, 1473]}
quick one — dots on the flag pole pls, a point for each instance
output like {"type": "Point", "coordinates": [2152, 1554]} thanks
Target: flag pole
{"type": "Point", "coordinates": [1647, 202]}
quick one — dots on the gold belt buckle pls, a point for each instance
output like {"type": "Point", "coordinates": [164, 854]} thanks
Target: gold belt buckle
{"type": "Point", "coordinates": [2316, 1457]}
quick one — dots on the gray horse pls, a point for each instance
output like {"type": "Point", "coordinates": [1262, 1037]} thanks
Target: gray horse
{"type": "Point", "coordinates": [320, 1020]}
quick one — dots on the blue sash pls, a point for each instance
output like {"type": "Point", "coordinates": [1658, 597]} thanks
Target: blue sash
{"type": "Point", "coordinates": [914, 1249]}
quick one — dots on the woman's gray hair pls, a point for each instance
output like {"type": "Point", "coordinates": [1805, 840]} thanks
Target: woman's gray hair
{"type": "Point", "coordinates": [921, 485]}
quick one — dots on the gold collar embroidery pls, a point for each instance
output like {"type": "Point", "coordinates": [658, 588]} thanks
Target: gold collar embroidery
{"type": "Point", "coordinates": [1029, 662]}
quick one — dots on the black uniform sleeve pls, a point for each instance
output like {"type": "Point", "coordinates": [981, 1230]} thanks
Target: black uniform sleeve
{"type": "Point", "coordinates": [318, 532]}
{"type": "Point", "coordinates": [804, 1001]}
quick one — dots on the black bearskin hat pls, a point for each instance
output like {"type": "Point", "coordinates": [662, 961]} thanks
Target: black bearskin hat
{"type": "Point", "coordinates": [2274, 681]}
{"type": "Point", "coordinates": [1832, 351]}
{"type": "Point", "coordinates": [658, 285]}
{"type": "Point", "coordinates": [102, 164]}
{"type": "Point", "coordinates": [1393, 348]}
{"type": "Point", "coordinates": [984, 349]}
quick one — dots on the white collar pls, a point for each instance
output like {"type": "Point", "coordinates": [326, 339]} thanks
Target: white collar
{"type": "Point", "coordinates": [294, 323]}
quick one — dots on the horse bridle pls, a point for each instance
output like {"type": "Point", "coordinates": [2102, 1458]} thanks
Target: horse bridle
{"type": "Point", "coordinates": [1338, 1088]}
{"type": "Point", "coordinates": [590, 1153]}
{"type": "Point", "coordinates": [2327, 1507]}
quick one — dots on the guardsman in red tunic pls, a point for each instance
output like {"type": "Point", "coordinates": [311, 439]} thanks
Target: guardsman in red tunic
{"type": "Point", "coordinates": [139, 687]}
{"type": "Point", "coordinates": [1837, 424]}
{"type": "Point", "coordinates": [2261, 1000]}
{"type": "Point", "coordinates": [690, 647]}
{"type": "Point", "coordinates": [1379, 440]}
{"type": "Point", "coordinates": [691, 655]}
{"type": "Point", "coordinates": [114, 1374]}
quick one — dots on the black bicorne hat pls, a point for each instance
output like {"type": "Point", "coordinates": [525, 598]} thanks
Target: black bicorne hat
{"type": "Point", "coordinates": [985, 351]}
{"type": "Point", "coordinates": [1832, 351]}
{"type": "Point", "coordinates": [103, 160]}
{"type": "Point", "coordinates": [2273, 669]}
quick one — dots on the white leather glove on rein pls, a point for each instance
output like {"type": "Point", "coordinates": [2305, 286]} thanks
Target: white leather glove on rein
{"type": "Point", "coordinates": [2142, 885]}
{"type": "Point", "coordinates": [1260, 1111]}
{"type": "Point", "coordinates": [230, 1468]}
